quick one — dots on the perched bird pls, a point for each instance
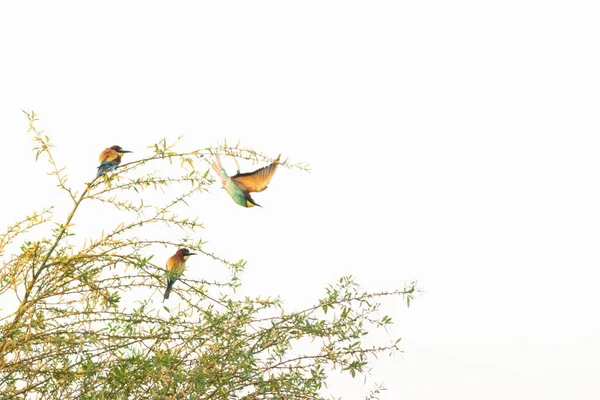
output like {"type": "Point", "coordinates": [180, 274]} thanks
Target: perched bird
{"type": "Point", "coordinates": [240, 185]}
{"type": "Point", "coordinates": [110, 159]}
{"type": "Point", "coordinates": [175, 267]}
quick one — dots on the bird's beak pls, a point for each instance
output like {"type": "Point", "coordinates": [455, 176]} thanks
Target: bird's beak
{"type": "Point", "coordinates": [192, 254]}
{"type": "Point", "coordinates": [126, 151]}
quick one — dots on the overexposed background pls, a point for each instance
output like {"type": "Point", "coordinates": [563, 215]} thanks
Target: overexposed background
{"type": "Point", "coordinates": [451, 142]}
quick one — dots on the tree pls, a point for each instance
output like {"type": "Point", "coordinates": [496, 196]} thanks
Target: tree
{"type": "Point", "coordinates": [75, 332]}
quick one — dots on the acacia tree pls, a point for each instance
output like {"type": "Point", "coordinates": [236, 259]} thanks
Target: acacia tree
{"type": "Point", "coordinates": [70, 329]}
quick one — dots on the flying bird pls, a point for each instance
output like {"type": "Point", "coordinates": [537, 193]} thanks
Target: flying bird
{"type": "Point", "coordinates": [240, 185]}
{"type": "Point", "coordinates": [175, 268]}
{"type": "Point", "coordinates": [110, 158]}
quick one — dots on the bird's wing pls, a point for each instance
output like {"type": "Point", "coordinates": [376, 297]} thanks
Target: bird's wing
{"type": "Point", "coordinates": [108, 155]}
{"type": "Point", "coordinates": [175, 266]}
{"type": "Point", "coordinates": [258, 180]}
{"type": "Point", "coordinates": [171, 263]}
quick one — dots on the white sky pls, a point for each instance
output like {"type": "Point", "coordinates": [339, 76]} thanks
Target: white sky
{"type": "Point", "coordinates": [451, 142]}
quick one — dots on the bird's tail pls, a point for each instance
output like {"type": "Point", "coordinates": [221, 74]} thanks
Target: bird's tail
{"type": "Point", "coordinates": [218, 167]}
{"type": "Point", "coordinates": [102, 168]}
{"type": "Point", "coordinates": [168, 290]}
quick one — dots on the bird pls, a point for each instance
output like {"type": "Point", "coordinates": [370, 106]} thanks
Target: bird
{"type": "Point", "coordinates": [240, 185]}
{"type": "Point", "coordinates": [110, 158]}
{"type": "Point", "coordinates": [175, 267]}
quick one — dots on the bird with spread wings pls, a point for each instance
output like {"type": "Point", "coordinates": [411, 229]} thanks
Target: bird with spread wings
{"type": "Point", "coordinates": [240, 185]}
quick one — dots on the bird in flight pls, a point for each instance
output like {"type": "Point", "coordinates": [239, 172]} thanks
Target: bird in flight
{"type": "Point", "coordinates": [175, 268]}
{"type": "Point", "coordinates": [110, 158]}
{"type": "Point", "coordinates": [240, 185]}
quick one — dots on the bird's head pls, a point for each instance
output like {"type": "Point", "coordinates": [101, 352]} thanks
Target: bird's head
{"type": "Point", "coordinates": [185, 253]}
{"type": "Point", "coordinates": [120, 150]}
